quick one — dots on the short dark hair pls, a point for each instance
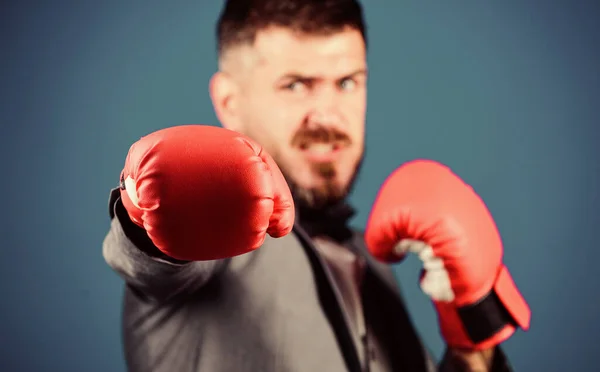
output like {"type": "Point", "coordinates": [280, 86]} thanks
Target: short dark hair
{"type": "Point", "coordinates": [241, 20]}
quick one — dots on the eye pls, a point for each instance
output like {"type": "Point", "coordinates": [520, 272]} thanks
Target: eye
{"type": "Point", "coordinates": [295, 86]}
{"type": "Point", "coordinates": [347, 84]}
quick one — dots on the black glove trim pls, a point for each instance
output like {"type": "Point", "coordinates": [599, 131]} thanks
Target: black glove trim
{"type": "Point", "coordinates": [485, 318]}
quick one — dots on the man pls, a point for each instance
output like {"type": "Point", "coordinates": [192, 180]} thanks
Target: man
{"type": "Point", "coordinates": [207, 290]}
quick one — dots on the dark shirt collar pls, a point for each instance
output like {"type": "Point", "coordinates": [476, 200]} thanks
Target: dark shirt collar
{"type": "Point", "coordinates": [330, 221]}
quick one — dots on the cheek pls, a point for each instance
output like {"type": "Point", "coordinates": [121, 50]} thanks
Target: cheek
{"type": "Point", "coordinates": [282, 115]}
{"type": "Point", "coordinates": [270, 121]}
{"type": "Point", "coordinates": [357, 111]}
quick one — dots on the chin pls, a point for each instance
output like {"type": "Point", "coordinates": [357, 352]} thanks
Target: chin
{"type": "Point", "coordinates": [317, 184]}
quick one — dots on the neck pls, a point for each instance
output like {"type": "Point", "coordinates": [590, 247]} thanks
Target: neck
{"type": "Point", "coordinates": [329, 220]}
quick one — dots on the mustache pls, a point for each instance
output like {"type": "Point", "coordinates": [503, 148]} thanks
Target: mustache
{"type": "Point", "coordinates": [323, 135]}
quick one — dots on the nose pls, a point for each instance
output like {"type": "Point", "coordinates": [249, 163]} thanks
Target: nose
{"type": "Point", "coordinates": [323, 118]}
{"type": "Point", "coordinates": [326, 110]}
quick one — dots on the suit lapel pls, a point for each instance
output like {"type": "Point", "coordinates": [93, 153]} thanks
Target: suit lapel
{"type": "Point", "coordinates": [387, 315]}
{"type": "Point", "coordinates": [331, 302]}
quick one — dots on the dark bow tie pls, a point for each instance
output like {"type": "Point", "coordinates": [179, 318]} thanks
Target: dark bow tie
{"type": "Point", "coordinates": [331, 221]}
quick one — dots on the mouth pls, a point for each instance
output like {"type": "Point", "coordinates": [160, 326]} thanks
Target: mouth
{"type": "Point", "coordinates": [321, 152]}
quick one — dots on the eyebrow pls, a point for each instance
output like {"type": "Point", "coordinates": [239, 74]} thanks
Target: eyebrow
{"type": "Point", "coordinates": [301, 77]}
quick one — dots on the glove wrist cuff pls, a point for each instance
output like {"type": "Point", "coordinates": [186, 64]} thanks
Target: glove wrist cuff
{"type": "Point", "coordinates": [489, 321]}
{"type": "Point", "coordinates": [485, 319]}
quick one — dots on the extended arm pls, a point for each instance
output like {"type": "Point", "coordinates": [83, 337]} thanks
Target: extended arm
{"type": "Point", "coordinates": [190, 198]}
{"type": "Point", "coordinates": [129, 252]}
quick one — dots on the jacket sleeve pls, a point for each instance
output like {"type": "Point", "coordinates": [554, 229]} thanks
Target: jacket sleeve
{"type": "Point", "coordinates": [128, 250]}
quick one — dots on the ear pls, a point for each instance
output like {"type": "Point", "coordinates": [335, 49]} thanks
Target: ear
{"type": "Point", "coordinates": [223, 93]}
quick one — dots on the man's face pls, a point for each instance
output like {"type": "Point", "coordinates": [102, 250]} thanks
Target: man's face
{"type": "Point", "coordinates": [304, 100]}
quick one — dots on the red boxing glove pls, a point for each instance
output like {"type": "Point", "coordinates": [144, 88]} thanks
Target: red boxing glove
{"type": "Point", "coordinates": [204, 192]}
{"type": "Point", "coordinates": [426, 209]}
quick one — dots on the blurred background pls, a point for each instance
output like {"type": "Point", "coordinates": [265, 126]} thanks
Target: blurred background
{"type": "Point", "coordinates": [506, 93]}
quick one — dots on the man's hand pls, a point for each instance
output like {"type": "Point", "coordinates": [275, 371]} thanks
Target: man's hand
{"type": "Point", "coordinates": [426, 209]}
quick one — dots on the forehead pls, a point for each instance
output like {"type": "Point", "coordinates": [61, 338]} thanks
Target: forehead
{"type": "Point", "coordinates": [282, 51]}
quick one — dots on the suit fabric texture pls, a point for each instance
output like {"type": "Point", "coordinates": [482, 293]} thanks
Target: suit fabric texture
{"type": "Point", "coordinates": [276, 309]}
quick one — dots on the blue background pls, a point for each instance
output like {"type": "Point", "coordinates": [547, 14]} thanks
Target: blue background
{"type": "Point", "coordinates": [507, 93]}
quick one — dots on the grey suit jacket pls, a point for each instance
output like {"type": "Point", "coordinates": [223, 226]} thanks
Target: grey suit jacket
{"type": "Point", "coordinates": [272, 310]}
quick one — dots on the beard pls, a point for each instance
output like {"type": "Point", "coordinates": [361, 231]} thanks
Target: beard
{"type": "Point", "coordinates": [329, 193]}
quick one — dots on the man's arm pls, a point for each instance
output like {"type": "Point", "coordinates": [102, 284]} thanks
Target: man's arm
{"type": "Point", "coordinates": [129, 251]}
{"type": "Point", "coordinates": [488, 360]}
